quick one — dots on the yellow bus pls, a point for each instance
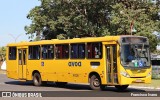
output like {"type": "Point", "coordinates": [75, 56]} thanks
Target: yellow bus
{"type": "Point", "coordinates": [100, 61]}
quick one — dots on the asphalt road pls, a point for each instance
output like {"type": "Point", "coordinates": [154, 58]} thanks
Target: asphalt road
{"type": "Point", "coordinates": [72, 91]}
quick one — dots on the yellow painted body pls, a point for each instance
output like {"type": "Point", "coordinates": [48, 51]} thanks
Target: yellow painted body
{"type": "Point", "coordinates": [59, 70]}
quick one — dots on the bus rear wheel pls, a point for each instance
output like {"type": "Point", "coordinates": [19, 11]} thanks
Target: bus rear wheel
{"type": "Point", "coordinates": [121, 87]}
{"type": "Point", "coordinates": [95, 83]}
{"type": "Point", "coordinates": [37, 81]}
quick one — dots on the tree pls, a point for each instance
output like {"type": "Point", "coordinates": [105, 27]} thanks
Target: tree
{"type": "Point", "coordinates": [2, 53]}
{"type": "Point", "coordinates": [72, 18]}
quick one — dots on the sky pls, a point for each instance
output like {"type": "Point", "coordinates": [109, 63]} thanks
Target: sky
{"type": "Point", "coordinates": [13, 20]}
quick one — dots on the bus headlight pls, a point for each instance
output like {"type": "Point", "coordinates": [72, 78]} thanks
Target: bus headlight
{"type": "Point", "coordinates": [125, 74]}
{"type": "Point", "coordinates": [149, 74]}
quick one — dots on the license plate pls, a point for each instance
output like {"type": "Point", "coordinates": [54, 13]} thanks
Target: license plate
{"type": "Point", "coordinates": [138, 80]}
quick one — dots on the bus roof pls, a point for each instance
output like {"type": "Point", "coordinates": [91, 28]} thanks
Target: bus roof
{"type": "Point", "coordinates": [74, 40]}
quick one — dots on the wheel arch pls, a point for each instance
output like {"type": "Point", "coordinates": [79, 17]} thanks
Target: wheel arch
{"type": "Point", "coordinates": [35, 71]}
{"type": "Point", "coordinates": [93, 73]}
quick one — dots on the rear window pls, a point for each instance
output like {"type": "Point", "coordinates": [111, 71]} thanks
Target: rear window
{"type": "Point", "coordinates": [12, 53]}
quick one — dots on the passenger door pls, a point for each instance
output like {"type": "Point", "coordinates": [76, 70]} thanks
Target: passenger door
{"type": "Point", "coordinates": [111, 64]}
{"type": "Point", "coordinates": [22, 58]}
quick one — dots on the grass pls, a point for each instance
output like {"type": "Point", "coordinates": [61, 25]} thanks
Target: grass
{"type": "Point", "coordinates": [155, 83]}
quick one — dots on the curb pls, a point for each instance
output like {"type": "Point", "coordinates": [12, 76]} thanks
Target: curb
{"type": "Point", "coordinates": [141, 87]}
{"type": "Point", "coordinates": [131, 86]}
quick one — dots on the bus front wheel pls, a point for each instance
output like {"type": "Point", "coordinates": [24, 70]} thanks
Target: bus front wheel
{"type": "Point", "coordinates": [37, 81]}
{"type": "Point", "coordinates": [121, 87]}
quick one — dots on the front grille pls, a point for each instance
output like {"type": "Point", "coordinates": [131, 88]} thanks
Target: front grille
{"type": "Point", "coordinates": [138, 77]}
{"type": "Point", "coordinates": [138, 71]}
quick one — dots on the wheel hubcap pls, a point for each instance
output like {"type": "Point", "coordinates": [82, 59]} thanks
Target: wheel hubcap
{"type": "Point", "coordinates": [36, 79]}
{"type": "Point", "coordinates": [96, 82]}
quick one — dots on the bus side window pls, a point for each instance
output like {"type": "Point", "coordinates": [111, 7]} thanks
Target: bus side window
{"type": "Point", "coordinates": [89, 50]}
{"type": "Point", "coordinates": [94, 50]}
{"type": "Point", "coordinates": [81, 50]}
{"type": "Point", "coordinates": [44, 52]}
{"type": "Point", "coordinates": [62, 51]}
{"type": "Point", "coordinates": [65, 51]}
{"type": "Point", "coordinates": [12, 53]}
{"type": "Point", "coordinates": [74, 50]}
{"type": "Point", "coordinates": [34, 52]}
{"type": "Point", "coordinates": [58, 50]}
{"type": "Point", "coordinates": [47, 52]}
{"type": "Point", "coordinates": [77, 51]}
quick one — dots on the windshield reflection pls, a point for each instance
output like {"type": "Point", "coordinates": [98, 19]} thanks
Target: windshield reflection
{"type": "Point", "coordinates": [135, 55]}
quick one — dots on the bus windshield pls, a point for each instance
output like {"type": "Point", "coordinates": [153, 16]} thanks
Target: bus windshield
{"type": "Point", "coordinates": [135, 55]}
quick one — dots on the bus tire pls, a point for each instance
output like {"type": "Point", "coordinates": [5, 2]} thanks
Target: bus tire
{"type": "Point", "coordinates": [61, 84]}
{"type": "Point", "coordinates": [121, 87]}
{"type": "Point", "coordinates": [95, 82]}
{"type": "Point", "coordinates": [37, 81]}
